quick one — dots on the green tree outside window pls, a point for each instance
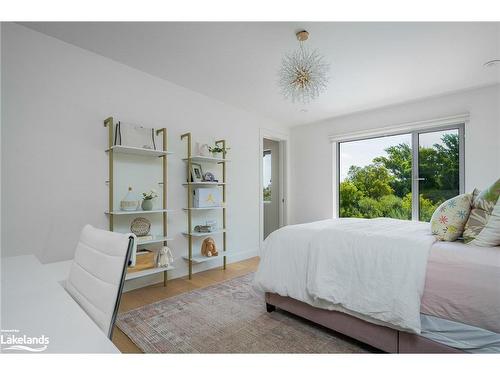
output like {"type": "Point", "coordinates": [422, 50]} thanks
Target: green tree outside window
{"type": "Point", "coordinates": [383, 188]}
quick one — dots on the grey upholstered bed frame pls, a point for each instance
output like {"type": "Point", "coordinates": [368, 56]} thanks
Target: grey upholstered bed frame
{"type": "Point", "coordinates": [384, 338]}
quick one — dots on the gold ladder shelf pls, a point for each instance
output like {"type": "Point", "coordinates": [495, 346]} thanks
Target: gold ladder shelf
{"type": "Point", "coordinates": [112, 149]}
{"type": "Point", "coordinates": [189, 209]}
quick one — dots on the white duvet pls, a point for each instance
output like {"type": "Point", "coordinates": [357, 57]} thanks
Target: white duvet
{"type": "Point", "coordinates": [370, 268]}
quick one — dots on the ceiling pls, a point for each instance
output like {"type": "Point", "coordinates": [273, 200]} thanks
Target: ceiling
{"type": "Point", "coordinates": [372, 64]}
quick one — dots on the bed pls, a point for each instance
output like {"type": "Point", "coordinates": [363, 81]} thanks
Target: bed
{"type": "Point", "coordinates": [387, 283]}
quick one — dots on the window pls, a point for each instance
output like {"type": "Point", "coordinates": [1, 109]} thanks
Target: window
{"type": "Point", "coordinates": [402, 176]}
{"type": "Point", "coordinates": [375, 177]}
{"type": "Point", "coordinates": [267, 170]}
{"type": "Point", "coordinates": [438, 169]}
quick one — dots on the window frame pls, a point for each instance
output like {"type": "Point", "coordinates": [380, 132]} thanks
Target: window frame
{"type": "Point", "coordinates": [414, 133]}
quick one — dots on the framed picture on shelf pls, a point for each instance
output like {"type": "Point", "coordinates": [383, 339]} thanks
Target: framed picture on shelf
{"type": "Point", "coordinates": [196, 172]}
{"type": "Point", "coordinates": [134, 136]}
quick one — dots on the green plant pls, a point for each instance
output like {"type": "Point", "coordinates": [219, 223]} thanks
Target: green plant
{"type": "Point", "coordinates": [267, 194]}
{"type": "Point", "coordinates": [217, 149]}
{"type": "Point", "coordinates": [149, 195]}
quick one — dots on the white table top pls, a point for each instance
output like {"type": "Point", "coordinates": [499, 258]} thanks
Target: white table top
{"type": "Point", "coordinates": [35, 304]}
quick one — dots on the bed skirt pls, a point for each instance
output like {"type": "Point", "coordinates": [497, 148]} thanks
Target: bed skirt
{"type": "Point", "coordinates": [384, 338]}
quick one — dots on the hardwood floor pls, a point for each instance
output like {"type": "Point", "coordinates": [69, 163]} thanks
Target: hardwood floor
{"type": "Point", "coordinates": [157, 292]}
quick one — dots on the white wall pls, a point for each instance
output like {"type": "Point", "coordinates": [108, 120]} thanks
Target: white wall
{"type": "Point", "coordinates": [1, 127]}
{"type": "Point", "coordinates": [311, 154]}
{"type": "Point", "coordinates": [56, 97]}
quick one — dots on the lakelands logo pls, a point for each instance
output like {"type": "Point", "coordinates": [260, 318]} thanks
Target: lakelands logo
{"type": "Point", "coordinates": [13, 340]}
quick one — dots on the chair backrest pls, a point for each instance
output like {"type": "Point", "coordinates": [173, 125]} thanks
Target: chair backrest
{"type": "Point", "coordinates": [98, 273]}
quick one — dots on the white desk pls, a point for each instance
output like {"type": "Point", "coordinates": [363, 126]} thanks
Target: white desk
{"type": "Point", "coordinates": [36, 304]}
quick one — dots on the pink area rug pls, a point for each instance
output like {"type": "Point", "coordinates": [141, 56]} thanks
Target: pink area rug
{"type": "Point", "coordinates": [229, 317]}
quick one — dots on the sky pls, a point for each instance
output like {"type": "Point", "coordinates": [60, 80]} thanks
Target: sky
{"type": "Point", "coordinates": [361, 153]}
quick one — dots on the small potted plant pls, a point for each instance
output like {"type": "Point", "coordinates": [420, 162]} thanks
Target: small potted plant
{"type": "Point", "coordinates": [217, 152]}
{"type": "Point", "coordinates": [147, 200]}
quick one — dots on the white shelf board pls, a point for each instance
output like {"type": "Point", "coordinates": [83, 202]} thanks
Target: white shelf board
{"type": "Point", "coordinates": [149, 271]}
{"type": "Point", "coordinates": [201, 259]}
{"type": "Point", "coordinates": [137, 212]}
{"type": "Point", "coordinates": [204, 208]}
{"type": "Point", "coordinates": [205, 183]}
{"type": "Point", "coordinates": [203, 234]}
{"type": "Point", "coordinates": [155, 239]}
{"type": "Point", "coordinates": [138, 151]}
{"type": "Point", "coordinates": [206, 159]}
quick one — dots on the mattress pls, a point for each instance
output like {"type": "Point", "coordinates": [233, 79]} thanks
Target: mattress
{"type": "Point", "coordinates": [463, 284]}
{"type": "Point", "coordinates": [459, 335]}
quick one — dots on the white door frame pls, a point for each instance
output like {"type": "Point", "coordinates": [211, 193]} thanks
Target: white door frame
{"type": "Point", "coordinates": [283, 140]}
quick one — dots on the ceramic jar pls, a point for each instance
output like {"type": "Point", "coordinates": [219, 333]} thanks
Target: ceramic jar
{"type": "Point", "coordinates": [129, 201]}
{"type": "Point", "coordinates": [147, 204]}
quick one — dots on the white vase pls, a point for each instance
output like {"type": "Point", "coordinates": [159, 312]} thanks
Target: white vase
{"type": "Point", "coordinates": [129, 201]}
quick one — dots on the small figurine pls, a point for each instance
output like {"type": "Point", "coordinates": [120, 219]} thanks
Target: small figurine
{"type": "Point", "coordinates": [209, 177]}
{"type": "Point", "coordinates": [165, 257]}
{"type": "Point", "coordinates": [203, 150]}
{"type": "Point", "coordinates": [208, 248]}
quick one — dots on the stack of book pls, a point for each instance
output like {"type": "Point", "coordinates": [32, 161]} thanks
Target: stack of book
{"type": "Point", "coordinates": [145, 259]}
{"type": "Point", "coordinates": [144, 238]}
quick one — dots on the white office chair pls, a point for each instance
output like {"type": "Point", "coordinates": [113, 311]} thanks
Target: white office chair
{"type": "Point", "coordinates": [98, 273]}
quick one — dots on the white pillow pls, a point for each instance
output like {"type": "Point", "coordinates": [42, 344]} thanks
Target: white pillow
{"type": "Point", "coordinates": [490, 235]}
{"type": "Point", "coordinates": [448, 221]}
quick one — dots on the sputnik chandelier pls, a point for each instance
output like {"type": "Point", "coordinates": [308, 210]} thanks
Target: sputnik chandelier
{"type": "Point", "coordinates": [304, 74]}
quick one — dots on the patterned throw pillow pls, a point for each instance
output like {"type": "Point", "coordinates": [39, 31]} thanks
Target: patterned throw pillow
{"type": "Point", "coordinates": [482, 207]}
{"type": "Point", "coordinates": [448, 221]}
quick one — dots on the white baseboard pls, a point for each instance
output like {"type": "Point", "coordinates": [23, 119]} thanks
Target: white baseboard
{"type": "Point", "coordinates": [181, 269]}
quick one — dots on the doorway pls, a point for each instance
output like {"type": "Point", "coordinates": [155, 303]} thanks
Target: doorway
{"type": "Point", "coordinates": [271, 185]}
{"type": "Point", "coordinates": [273, 181]}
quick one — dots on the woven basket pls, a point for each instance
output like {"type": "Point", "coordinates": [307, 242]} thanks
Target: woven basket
{"type": "Point", "coordinates": [140, 226]}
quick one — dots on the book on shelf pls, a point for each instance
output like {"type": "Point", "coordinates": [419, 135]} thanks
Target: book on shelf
{"type": "Point", "coordinates": [145, 260]}
{"type": "Point", "coordinates": [144, 238]}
